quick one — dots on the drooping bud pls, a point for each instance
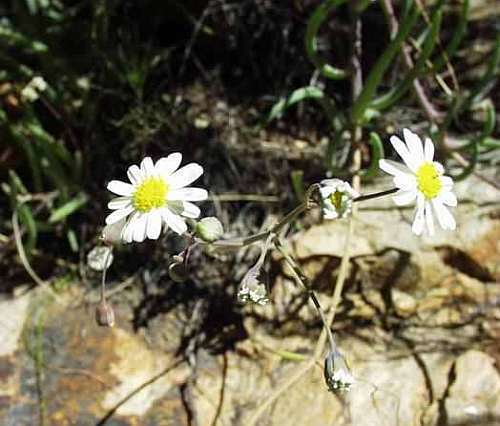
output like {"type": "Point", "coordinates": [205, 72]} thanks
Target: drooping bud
{"type": "Point", "coordinates": [104, 314]}
{"type": "Point", "coordinates": [337, 374]}
{"type": "Point", "coordinates": [209, 229]}
{"type": "Point", "coordinates": [100, 258]}
{"type": "Point", "coordinates": [177, 270]}
{"type": "Point", "coordinates": [112, 234]}
{"type": "Point", "coordinates": [251, 289]}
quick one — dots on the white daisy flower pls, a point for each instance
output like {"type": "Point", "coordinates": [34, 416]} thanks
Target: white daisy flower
{"type": "Point", "coordinates": [157, 194]}
{"type": "Point", "coordinates": [336, 198]}
{"type": "Point", "coordinates": [421, 179]}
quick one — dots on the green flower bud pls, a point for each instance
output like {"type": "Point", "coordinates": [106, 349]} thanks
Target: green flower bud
{"type": "Point", "coordinates": [209, 229]}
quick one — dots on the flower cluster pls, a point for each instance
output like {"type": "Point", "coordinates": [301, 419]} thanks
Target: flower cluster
{"type": "Point", "coordinates": [419, 179]}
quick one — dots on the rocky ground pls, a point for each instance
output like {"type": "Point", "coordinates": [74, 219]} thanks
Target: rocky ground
{"type": "Point", "coordinates": [419, 325]}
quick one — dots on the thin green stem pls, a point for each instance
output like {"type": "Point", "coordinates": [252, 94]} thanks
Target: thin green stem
{"type": "Point", "coordinates": [104, 271]}
{"type": "Point", "coordinates": [302, 279]}
{"type": "Point", "coordinates": [375, 195]}
{"type": "Point", "coordinates": [289, 217]}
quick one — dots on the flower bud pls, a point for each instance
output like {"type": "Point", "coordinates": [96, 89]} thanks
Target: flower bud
{"type": "Point", "coordinates": [336, 198]}
{"type": "Point", "coordinates": [104, 314]}
{"type": "Point", "coordinates": [209, 229]}
{"type": "Point", "coordinates": [251, 289]}
{"type": "Point", "coordinates": [112, 234]}
{"type": "Point", "coordinates": [338, 377]}
{"type": "Point", "coordinates": [100, 258]}
{"type": "Point", "coordinates": [177, 271]}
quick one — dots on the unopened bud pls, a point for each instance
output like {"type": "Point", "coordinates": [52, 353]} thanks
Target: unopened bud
{"type": "Point", "coordinates": [100, 258]}
{"type": "Point", "coordinates": [177, 271]}
{"type": "Point", "coordinates": [251, 289]}
{"type": "Point", "coordinates": [112, 234]}
{"type": "Point", "coordinates": [209, 229]}
{"type": "Point", "coordinates": [104, 314]}
{"type": "Point", "coordinates": [338, 377]}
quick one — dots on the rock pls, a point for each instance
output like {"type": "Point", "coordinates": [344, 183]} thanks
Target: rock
{"type": "Point", "coordinates": [135, 365]}
{"type": "Point", "coordinates": [14, 312]}
{"type": "Point", "coordinates": [404, 303]}
{"type": "Point", "coordinates": [474, 396]}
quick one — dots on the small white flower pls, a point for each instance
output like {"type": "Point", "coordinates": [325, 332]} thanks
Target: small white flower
{"type": "Point", "coordinates": [336, 197]}
{"type": "Point", "coordinates": [32, 90]}
{"type": "Point", "coordinates": [157, 194]}
{"type": "Point", "coordinates": [421, 179]}
{"type": "Point", "coordinates": [39, 83]}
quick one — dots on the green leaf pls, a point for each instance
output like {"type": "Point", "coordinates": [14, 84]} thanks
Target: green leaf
{"type": "Point", "coordinates": [313, 25]}
{"type": "Point", "coordinates": [481, 88]}
{"type": "Point", "coordinates": [376, 154]}
{"type": "Point", "coordinates": [458, 34]}
{"type": "Point", "coordinates": [69, 208]}
{"type": "Point", "coordinates": [27, 219]}
{"type": "Point", "coordinates": [298, 95]}
{"type": "Point", "coordinates": [382, 64]}
{"type": "Point", "coordinates": [72, 240]}
{"type": "Point", "coordinates": [33, 158]}
{"type": "Point", "coordinates": [467, 171]}
{"type": "Point", "coordinates": [489, 123]}
{"type": "Point", "coordinates": [17, 182]}
{"type": "Point", "coordinates": [298, 184]}
{"type": "Point", "coordinates": [393, 95]}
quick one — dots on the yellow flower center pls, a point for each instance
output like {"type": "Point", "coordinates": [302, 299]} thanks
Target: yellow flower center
{"type": "Point", "coordinates": [150, 194]}
{"type": "Point", "coordinates": [428, 181]}
{"type": "Point", "coordinates": [336, 199]}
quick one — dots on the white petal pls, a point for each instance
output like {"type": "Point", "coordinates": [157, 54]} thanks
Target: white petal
{"type": "Point", "coordinates": [330, 214]}
{"type": "Point", "coordinates": [428, 150]}
{"type": "Point", "coordinates": [445, 218]}
{"type": "Point", "coordinates": [188, 194]}
{"type": "Point", "coordinates": [393, 168]}
{"type": "Point", "coordinates": [448, 198]}
{"type": "Point", "coordinates": [147, 167]}
{"type": "Point", "coordinates": [419, 220]}
{"type": "Point", "coordinates": [174, 221]}
{"type": "Point", "coordinates": [120, 188]}
{"type": "Point", "coordinates": [167, 165]}
{"type": "Point", "coordinates": [118, 214]}
{"type": "Point", "coordinates": [134, 174]}
{"type": "Point", "coordinates": [403, 152]}
{"type": "Point", "coordinates": [447, 182]}
{"type": "Point", "coordinates": [439, 167]}
{"type": "Point", "coordinates": [405, 182]}
{"type": "Point", "coordinates": [429, 220]}
{"type": "Point", "coordinates": [128, 230]}
{"type": "Point", "coordinates": [190, 210]}
{"type": "Point", "coordinates": [153, 228]}
{"type": "Point", "coordinates": [185, 175]}
{"type": "Point", "coordinates": [404, 197]}
{"type": "Point", "coordinates": [119, 203]}
{"type": "Point", "coordinates": [139, 232]}
{"type": "Point", "coordinates": [326, 191]}
{"type": "Point", "coordinates": [414, 144]}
